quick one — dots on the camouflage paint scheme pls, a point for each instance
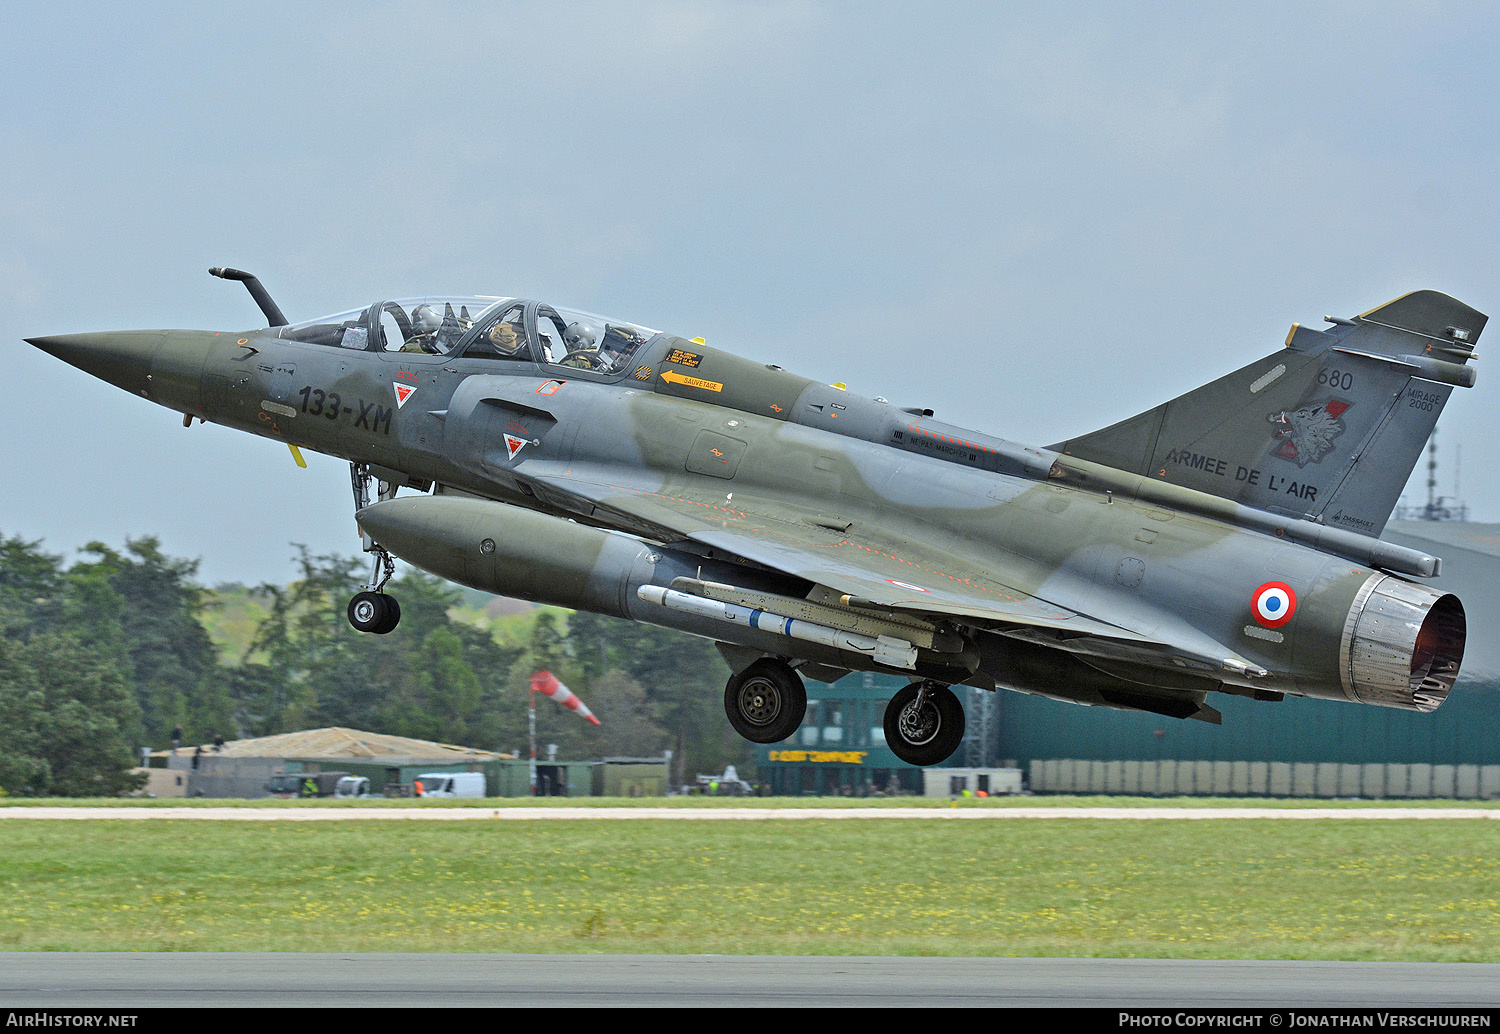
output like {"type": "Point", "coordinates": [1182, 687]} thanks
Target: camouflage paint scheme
{"type": "Point", "coordinates": [1221, 542]}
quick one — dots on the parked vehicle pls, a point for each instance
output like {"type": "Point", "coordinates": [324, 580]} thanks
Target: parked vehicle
{"type": "Point", "coordinates": [727, 785]}
{"type": "Point", "coordinates": [304, 784]}
{"type": "Point", "coordinates": [352, 786]}
{"type": "Point", "coordinates": [452, 784]}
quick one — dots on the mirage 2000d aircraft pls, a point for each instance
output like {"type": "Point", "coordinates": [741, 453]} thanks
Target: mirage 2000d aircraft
{"type": "Point", "coordinates": [1224, 541]}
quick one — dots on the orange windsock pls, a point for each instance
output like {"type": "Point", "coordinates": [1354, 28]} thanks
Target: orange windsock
{"type": "Point", "coordinates": [546, 683]}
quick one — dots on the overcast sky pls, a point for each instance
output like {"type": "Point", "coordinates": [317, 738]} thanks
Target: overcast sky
{"type": "Point", "coordinates": [1034, 218]}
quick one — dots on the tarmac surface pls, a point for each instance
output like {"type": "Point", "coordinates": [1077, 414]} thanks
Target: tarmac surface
{"type": "Point", "coordinates": [126, 980]}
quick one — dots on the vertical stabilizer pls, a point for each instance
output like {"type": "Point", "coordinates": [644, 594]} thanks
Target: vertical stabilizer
{"type": "Point", "coordinates": [1328, 428]}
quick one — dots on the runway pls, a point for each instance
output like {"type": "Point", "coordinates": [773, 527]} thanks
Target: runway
{"type": "Point", "coordinates": [127, 980]}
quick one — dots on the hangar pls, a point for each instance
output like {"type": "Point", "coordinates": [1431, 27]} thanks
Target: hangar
{"type": "Point", "coordinates": [242, 768]}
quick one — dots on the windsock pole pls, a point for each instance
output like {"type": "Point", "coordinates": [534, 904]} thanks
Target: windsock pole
{"type": "Point", "coordinates": [531, 732]}
{"type": "Point", "coordinates": [546, 682]}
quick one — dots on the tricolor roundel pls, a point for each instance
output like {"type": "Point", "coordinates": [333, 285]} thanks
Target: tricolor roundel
{"type": "Point", "coordinates": [1274, 604]}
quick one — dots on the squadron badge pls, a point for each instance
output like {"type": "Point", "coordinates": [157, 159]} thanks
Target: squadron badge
{"type": "Point", "coordinates": [1306, 435]}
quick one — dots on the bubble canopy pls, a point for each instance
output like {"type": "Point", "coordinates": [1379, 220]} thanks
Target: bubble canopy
{"type": "Point", "coordinates": [481, 328]}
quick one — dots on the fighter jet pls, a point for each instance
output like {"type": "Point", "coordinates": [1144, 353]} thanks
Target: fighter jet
{"type": "Point", "coordinates": [1222, 542]}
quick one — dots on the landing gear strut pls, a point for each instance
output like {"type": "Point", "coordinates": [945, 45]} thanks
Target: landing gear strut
{"type": "Point", "coordinates": [765, 702]}
{"type": "Point", "coordinates": [372, 610]}
{"type": "Point", "coordinates": [924, 723]}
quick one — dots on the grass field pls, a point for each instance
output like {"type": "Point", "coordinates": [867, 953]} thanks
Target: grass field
{"type": "Point", "coordinates": [1312, 889]}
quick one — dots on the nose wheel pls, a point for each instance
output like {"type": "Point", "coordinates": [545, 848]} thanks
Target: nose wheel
{"type": "Point", "coordinates": [924, 723]}
{"type": "Point", "coordinates": [765, 702]}
{"type": "Point", "coordinates": [374, 612]}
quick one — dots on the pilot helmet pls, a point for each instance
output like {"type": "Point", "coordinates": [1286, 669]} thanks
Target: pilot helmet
{"type": "Point", "coordinates": [425, 319]}
{"type": "Point", "coordinates": [579, 337]}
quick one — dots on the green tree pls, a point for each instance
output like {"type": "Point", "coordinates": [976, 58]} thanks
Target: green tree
{"type": "Point", "coordinates": [30, 586]}
{"type": "Point", "coordinates": [430, 678]}
{"type": "Point", "coordinates": [23, 765]}
{"type": "Point", "coordinates": [428, 686]}
{"type": "Point", "coordinates": [304, 650]}
{"type": "Point", "coordinates": [88, 713]}
{"type": "Point", "coordinates": [455, 692]}
{"type": "Point", "coordinates": [628, 726]}
{"type": "Point", "coordinates": [69, 719]}
{"type": "Point", "coordinates": [436, 695]}
{"type": "Point", "coordinates": [174, 664]}
{"type": "Point", "coordinates": [92, 652]}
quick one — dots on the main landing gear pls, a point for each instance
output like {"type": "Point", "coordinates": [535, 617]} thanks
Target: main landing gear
{"type": "Point", "coordinates": [372, 610]}
{"type": "Point", "coordinates": [924, 723]}
{"type": "Point", "coordinates": [765, 702]}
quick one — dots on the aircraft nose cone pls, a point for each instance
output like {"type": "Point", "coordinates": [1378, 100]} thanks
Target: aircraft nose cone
{"type": "Point", "coordinates": [122, 358]}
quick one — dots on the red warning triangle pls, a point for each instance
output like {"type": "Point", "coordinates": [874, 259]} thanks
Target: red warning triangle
{"type": "Point", "coordinates": [403, 392]}
{"type": "Point", "coordinates": [513, 444]}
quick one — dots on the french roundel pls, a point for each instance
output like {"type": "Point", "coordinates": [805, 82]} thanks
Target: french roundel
{"type": "Point", "coordinates": [1274, 604]}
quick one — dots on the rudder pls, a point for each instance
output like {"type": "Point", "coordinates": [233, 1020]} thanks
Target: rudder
{"type": "Point", "coordinates": [1328, 428]}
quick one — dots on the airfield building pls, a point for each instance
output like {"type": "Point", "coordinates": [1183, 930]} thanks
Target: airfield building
{"type": "Point", "coordinates": [259, 767]}
{"type": "Point", "coordinates": [244, 768]}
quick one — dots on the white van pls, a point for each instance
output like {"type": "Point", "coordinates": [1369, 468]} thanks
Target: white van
{"type": "Point", "coordinates": [452, 784]}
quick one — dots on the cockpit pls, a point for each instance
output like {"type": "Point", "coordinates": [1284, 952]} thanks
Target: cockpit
{"type": "Point", "coordinates": [491, 329]}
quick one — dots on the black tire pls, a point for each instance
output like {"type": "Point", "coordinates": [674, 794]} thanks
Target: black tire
{"type": "Point", "coordinates": [392, 614]}
{"type": "Point", "coordinates": [766, 702]}
{"type": "Point", "coordinates": [927, 738]}
{"type": "Point", "coordinates": [373, 612]}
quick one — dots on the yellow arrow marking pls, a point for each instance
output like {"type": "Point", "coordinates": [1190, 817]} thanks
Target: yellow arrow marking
{"type": "Point", "coordinates": [297, 455]}
{"type": "Point", "coordinates": [673, 377]}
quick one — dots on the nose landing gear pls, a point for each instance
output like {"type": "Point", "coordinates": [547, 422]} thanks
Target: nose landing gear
{"type": "Point", "coordinates": [372, 610]}
{"type": "Point", "coordinates": [924, 723]}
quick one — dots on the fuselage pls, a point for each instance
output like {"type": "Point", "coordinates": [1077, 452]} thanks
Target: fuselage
{"type": "Point", "coordinates": [690, 422]}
